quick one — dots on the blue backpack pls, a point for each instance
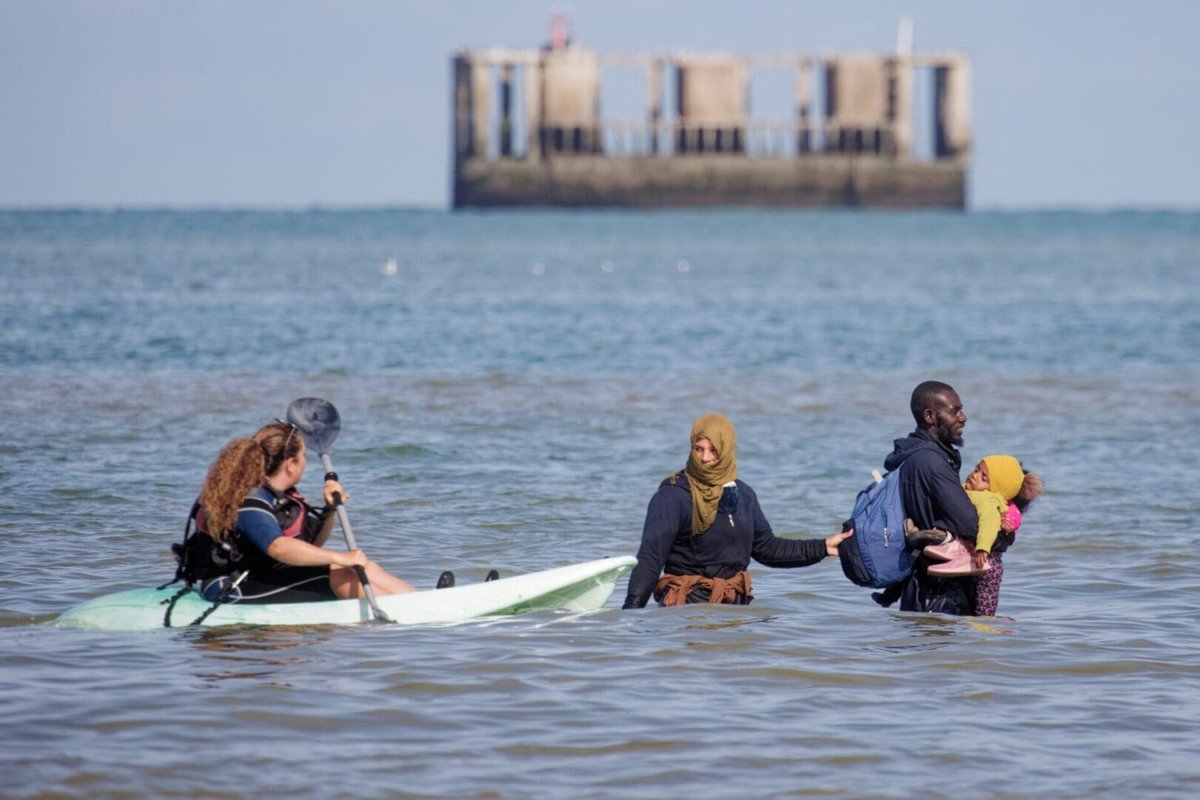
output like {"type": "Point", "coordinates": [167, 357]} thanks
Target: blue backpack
{"type": "Point", "coordinates": [877, 555]}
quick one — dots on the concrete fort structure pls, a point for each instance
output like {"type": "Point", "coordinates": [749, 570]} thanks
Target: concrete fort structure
{"type": "Point", "coordinates": [531, 128]}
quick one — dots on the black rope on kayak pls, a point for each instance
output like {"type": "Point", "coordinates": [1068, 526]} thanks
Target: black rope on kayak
{"type": "Point", "coordinates": [170, 604]}
{"type": "Point", "coordinates": [221, 598]}
{"type": "Point", "coordinates": [204, 616]}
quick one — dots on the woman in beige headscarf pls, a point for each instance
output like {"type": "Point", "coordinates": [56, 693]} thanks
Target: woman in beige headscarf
{"type": "Point", "coordinates": [704, 525]}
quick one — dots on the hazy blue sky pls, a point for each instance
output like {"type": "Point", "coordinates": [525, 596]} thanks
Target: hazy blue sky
{"type": "Point", "coordinates": [346, 102]}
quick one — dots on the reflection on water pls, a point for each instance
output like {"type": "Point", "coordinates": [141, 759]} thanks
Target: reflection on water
{"type": "Point", "coordinates": [736, 623]}
{"type": "Point", "coordinates": [250, 638]}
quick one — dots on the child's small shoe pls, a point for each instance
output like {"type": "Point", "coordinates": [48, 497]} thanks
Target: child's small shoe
{"type": "Point", "coordinates": [918, 538]}
{"type": "Point", "coordinates": [959, 565]}
{"type": "Point", "coordinates": [946, 552]}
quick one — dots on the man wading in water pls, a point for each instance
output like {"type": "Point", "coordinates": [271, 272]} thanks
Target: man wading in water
{"type": "Point", "coordinates": [933, 497]}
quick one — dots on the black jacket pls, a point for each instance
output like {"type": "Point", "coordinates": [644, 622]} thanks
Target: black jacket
{"type": "Point", "coordinates": [934, 498]}
{"type": "Point", "coordinates": [722, 551]}
{"type": "Point", "coordinates": [930, 485]}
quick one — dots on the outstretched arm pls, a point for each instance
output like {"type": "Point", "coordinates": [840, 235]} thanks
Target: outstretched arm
{"type": "Point", "coordinates": [776, 551]}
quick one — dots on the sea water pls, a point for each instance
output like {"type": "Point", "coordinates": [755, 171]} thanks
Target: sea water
{"type": "Point", "coordinates": [512, 387]}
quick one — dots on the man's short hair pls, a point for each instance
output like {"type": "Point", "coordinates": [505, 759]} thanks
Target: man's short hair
{"type": "Point", "coordinates": [925, 396]}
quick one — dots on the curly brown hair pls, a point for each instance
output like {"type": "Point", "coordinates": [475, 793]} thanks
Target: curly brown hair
{"type": "Point", "coordinates": [240, 466]}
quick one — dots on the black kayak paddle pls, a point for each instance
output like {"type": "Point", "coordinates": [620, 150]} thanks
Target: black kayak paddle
{"type": "Point", "coordinates": [319, 424]}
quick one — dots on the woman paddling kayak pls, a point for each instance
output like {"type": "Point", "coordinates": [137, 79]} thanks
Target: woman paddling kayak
{"type": "Point", "coordinates": [258, 540]}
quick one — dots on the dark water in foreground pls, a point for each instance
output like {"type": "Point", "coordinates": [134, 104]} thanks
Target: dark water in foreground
{"type": "Point", "coordinates": [512, 389]}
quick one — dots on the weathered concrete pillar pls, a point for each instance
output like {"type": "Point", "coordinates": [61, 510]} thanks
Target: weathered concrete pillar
{"type": "Point", "coordinates": [571, 101]}
{"type": "Point", "coordinates": [713, 97]}
{"type": "Point", "coordinates": [900, 106]}
{"type": "Point", "coordinates": [533, 109]}
{"type": "Point", "coordinates": [856, 97]}
{"type": "Point", "coordinates": [464, 142]}
{"type": "Point", "coordinates": [804, 100]}
{"type": "Point", "coordinates": [654, 100]}
{"type": "Point", "coordinates": [952, 92]}
{"type": "Point", "coordinates": [506, 97]}
{"type": "Point", "coordinates": [480, 106]}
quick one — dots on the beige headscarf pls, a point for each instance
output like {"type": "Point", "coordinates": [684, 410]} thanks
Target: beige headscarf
{"type": "Point", "coordinates": [707, 480]}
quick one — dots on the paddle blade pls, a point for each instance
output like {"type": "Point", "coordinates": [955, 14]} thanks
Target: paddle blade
{"type": "Point", "coordinates": [317, 420]}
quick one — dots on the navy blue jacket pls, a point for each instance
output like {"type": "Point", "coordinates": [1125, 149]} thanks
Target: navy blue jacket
{"type": "Point", "coordinates": [722, 551]}
{"type": "Point", "coordinates": [934, 498]}
{"type": "Point", "coordinates": [930, 485]}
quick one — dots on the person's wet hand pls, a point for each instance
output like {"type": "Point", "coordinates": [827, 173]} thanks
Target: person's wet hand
{"type": "Point", "coordinates": [351, 558]}
{"type": "Point", "coordinates": [832, 542]}
{"type": "Point", "coordinates": [332, 487]}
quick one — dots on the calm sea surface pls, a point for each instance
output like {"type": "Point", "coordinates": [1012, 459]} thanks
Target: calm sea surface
{"type": "Point", "coordinates": [512, 386]}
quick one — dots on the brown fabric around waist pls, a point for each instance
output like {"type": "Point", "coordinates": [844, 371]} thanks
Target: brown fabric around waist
{"type": "Point", "coordinates": [673, 590]}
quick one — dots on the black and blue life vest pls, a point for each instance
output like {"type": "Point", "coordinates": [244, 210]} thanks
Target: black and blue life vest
{"type": "Point", "coordinates": [200, 557]}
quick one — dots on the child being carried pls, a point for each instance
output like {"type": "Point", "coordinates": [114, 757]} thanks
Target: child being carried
{"type": "Point", "coordinates": [1001, 490]}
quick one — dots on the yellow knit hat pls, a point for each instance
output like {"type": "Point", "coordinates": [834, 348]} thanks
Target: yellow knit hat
{"type": "Point", "coordinates": [1005, 475]}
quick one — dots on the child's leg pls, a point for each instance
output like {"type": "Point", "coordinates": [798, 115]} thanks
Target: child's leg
{"type": "Point", "coordinates": [987, 588]}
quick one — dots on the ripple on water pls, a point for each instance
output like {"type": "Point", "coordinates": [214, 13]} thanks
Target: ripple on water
{"type": "Point", "coordinates": [494, 418]}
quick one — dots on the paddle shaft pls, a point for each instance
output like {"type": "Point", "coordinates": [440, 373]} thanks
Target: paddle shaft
{"type": "Point", "coordinates": [344, 521]}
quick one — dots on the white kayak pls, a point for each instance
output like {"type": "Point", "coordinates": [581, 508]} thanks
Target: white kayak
{"type": "Point", "coordinates": [577, 587]}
